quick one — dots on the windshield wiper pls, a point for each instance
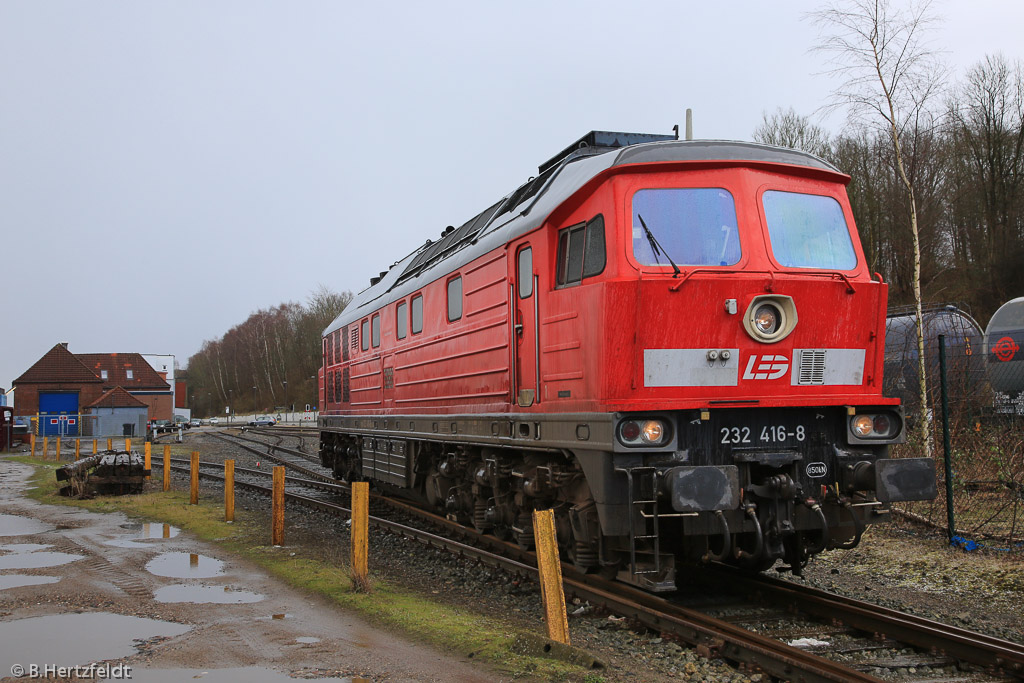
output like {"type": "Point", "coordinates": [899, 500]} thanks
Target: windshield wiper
{"type": "Point", "coordinates": [656, 248]}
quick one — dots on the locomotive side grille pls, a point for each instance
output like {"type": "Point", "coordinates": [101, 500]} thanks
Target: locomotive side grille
{"type": "Point", "coordinates": [346, 392]}
{"type": "Point", "coordinates": [812, 366]}
{"type": "Point", "coordinates": [344, 346]}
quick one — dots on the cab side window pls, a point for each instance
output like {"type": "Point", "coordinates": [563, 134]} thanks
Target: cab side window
{"type": "Point", "coordinates": [581, 252]}
{"type": "Point", "coordinates": [454, 299]}
{"type": "Point", "coordinates": [401, 320]}
{"type": "Point", "coordinates": [417, 313]}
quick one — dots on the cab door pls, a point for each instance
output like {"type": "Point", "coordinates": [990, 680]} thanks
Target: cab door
{"type": "Point", "coordinates": [525, 333]}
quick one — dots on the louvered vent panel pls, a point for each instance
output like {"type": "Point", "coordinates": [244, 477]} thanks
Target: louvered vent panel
{"type": "Point", "coordinates": [355, 337]}
{"type": "Point", "coordinates": [344, 346]}
{"type": "Point", "coordinates": [812, 366]}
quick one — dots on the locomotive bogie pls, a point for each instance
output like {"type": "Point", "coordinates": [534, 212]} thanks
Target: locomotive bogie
{"type": "Point", "coordinates": [676, 346]}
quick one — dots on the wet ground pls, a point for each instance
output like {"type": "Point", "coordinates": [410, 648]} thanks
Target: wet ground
{"type": "Point", "coordinates": [79, 588]}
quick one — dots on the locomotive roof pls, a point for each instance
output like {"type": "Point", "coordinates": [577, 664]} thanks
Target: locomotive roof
{"type": "Point", "coordinates": [528, 207]}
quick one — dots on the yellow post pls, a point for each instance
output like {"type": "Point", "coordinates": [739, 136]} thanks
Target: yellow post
{"type": "Point", "coordinates": [128, 444]}
{"type": "Point", "coordinates": [46, 446]}
{"type": "Point", "coordinates": [148, 457]}
{"type": "Point", "coordinates": [277, 532]}
{"type": "Point", "coordinates": [360, 541]}
{"type": "Point", "coordinates": [57, 446]}
{"type": "Point", "coordinates": [32, 439]}
{"type": "Point", "coordinates": [167, 468]}
{"type": "Point", "coordinates": [229, 490]}
{"type": "Point", "coordinates": [110, 444]}
{"type": "Point", "coordinates": [550, 575]}
{"type": "Point", "coordinates": [78, 449]}
{"type": "Point", "coordinates": [95, 446]}
{"type": "Point", "coordinates": [194, 473]}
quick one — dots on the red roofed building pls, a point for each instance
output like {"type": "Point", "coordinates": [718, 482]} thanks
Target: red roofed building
{"type": "Point", "coordinates": [61, 385]}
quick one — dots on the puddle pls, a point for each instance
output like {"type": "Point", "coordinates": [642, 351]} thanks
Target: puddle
{"type": "Point", "coordinates": [221, 595]}
{"type": "Point", "coordinates": [307, 640]}
{"type": "Point", "coordinates": [19, 580]}
{"type": "Point", "coordinates": [82, 638]}
{"type": "Point", "coordinates": [184, 566]}
{"type": "Point", "coordinates": [152, 530]}
{"type": "Point", "coordinates": [14, 525]}
{"type": "Point", "coordinates": [249, 674]}
{"type": "Point", "coordinates": [144, 531]}
{"type": "Point", "coordinates": [32, 556]}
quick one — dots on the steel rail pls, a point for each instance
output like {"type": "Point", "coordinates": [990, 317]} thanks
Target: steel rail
{"type": "Point", "coordinates": [266, 454]}
{"type": "Point", "coordinates": [976, 648]}
{"type": "Point", "coordinates": [180, 464]}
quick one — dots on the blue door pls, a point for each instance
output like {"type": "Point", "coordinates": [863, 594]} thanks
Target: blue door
{"type": "Point", "coordinates": [58, 414]}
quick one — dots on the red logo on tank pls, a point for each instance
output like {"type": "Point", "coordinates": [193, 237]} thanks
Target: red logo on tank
{"type": "Point", "coordinates": [1005, 349]}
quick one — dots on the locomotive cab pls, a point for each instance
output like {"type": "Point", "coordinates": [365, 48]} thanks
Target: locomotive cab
{"type": "Point", "coordinates": [751, 409]}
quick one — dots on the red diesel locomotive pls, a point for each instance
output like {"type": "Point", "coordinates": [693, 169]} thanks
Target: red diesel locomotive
{"type": "Point", "coordinates": [675, 345]}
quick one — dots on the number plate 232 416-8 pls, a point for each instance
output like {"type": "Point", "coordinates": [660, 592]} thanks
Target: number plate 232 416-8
{"type": "Point", "coordinates": [763, 435]}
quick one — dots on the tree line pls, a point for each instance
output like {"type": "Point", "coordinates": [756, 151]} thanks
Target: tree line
{"type": "Point", "coordinates": [266, 364]}
{"type": "Point", "coordinates": [965, 161]}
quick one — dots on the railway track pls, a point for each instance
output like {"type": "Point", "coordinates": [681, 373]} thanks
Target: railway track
{"type": "Point", "coordinates": [858, 641]}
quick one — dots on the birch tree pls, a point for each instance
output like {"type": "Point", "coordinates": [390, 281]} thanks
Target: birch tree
{"type": "Point", "coordinates": [886, 73]}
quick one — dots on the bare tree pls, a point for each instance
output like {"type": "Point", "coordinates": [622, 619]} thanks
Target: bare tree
{"type": "Point", "coordinates": [986, 116]}
{"type": "Point", "coordinates": [789, 129]}
{"type": "Point", "coordinates": [886, 70]}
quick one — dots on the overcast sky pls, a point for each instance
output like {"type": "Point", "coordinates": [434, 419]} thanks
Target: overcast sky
{"type": "Point", "coordinates": [166, 168]}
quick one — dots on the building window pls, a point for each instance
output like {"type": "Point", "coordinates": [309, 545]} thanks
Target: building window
{"type": "Point", "coordinates": [376, 331]}
{"type": "Point", "coordinates": [103, 374]}
{"type": "Point", "coordinates": [454, 299]}
{"type": "Point", "coordinates": [128, 373]}
{"type": "Point", "coordinates": [401, 323]}
{"type": "Point", "coordinates": [365, 334]}
{"type": "Point", "coordinates": [581, 251]}
{"type": "Point", "coordinates": [417, 314]}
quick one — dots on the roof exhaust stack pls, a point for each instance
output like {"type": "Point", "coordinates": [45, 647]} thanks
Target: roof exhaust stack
{"type": "Point", "coordinates": [689, 124]}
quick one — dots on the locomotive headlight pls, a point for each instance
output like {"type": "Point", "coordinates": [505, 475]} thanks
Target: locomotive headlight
{"type": "Point", "coordinates": [880, 425]}
{"type": "Point", "coordinates": [629, 431]}
{"type": "Point", "coordinates": [863, 425]}
{"type": "Point", "coordinates": [770, 318]}
{"type": "Point", "coordinates": [767, 319]}
{"type": "Point", "coordinates": [643, 432]}
{"type": "Point", "coordinates": [652, 431]}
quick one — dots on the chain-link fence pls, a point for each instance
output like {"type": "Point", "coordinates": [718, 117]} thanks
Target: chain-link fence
{"type": "Point", "coordinates": [978, 429]}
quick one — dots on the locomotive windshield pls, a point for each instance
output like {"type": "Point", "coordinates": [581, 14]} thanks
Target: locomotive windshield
{"type": "Point", "coordinates": [808, 231]}
{"type": "Point", "coordinates": [694, 227]}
